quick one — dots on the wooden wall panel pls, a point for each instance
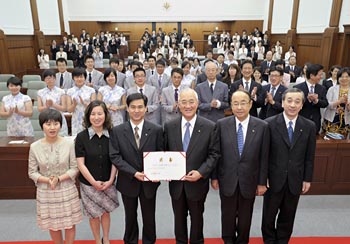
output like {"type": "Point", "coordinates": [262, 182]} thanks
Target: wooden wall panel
{"type": "Point", "coordinates": [309, 48]}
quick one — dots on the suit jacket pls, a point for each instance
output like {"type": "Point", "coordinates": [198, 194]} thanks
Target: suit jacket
{"type": "Point", "coordinates": [121, 79]}
{"type": "Point", "coordinates": [167, 103]}
{"type": "Point", "coordinates": [310, 110]}
{"type": "Point", "coordinates": [224, 69]}
{"type": "Point", "coordinates": [256, 104]}
{"type": "Point", "coordinates": [249, 169]}
{"type": "Point", "coordinates": [89, 50]}
{"type": "Point", "coordinates": [128, 158]}
{"type": "Point", "coordinates": [165, 82]}
{"type": "Point", "coordinates": [265, 68]}
{"type": "Point", "coordinates": [268, 110]}
{"type": "Point", "coordinates": [297, 72]}
{"type": "Point", "coordinates": [67, 80]}
{"type": "Point", "coordinates": [129, 82]}
{"type": "Point", "coordinates": [150, 92]}
{"type": "Point", "coordinates": [254, 56]}
{"type": "Point", "coordinates": [328, 83]}
{"type": "Point", "coordinates": [291, 162]}
{"type": "Point", "coordinates": [205, 97]}
{"type": "Point", "coordinates": [96, 79]}
{"type": "Point", "coordinates": [203, 77]}
{"type": "Point", "coordinates": [188, 42]}
{"type": "Point", "coordinates": [202, 155]}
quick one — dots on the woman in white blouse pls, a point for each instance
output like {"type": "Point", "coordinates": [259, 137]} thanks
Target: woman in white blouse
{"type": "Point", "coordinates": [43, 59]}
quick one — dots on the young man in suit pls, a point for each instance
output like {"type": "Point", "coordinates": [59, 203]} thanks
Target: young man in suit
{"type": "Point", "coordinates": [94, 77]}
{"type": "Point", "coordinates": [170, 97]}
{"type": "Point", "coordinates": [271, 95]}
{"type": "Point", "coordinates": [293, 69]}
{"type": "Point", "coordinates": [149, 91]}
{"type": "Point", "coordinates": [314, 93]}
{"type": "Point", "coordinates": [241, 172]}
{"type": "Point", "coordinates": [212, 95]}
{"type": "Point", "coordinates": [196, 136]}
{"type": "Point", "coordinates": [160, 80]}
{"type": "Point", "coordinates": [248, 84]}
{"type": "Point", "coordinates": [63, 77]}
{"type": "Point", "coordinates": [291, 160]}
{"type": "Point", "coordinates": [128, 141]}
{"type": "Point", "coordinates": [266, 65]}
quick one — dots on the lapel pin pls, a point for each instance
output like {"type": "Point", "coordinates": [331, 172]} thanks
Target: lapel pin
{"type": "Point", "coordinates": [253, 131]}
{"type": "Point", "coordinates": [301, 130]}
{"type": "Point", "coordinates": [146, 134]}
{"type": "Point", "coordinates": [199, 131]}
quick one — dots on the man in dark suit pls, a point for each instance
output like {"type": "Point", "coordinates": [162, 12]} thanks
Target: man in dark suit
{"type": "Point", "coordinates": [222, 67]}
{"type": "Point", "coordinates": [197, 137]}
{"type": "Point", "coordinates": [291, 160]}
{"type": "Point", "coordinates": [212, 95]}
{"type": "Point", "coordinates": [128, 141]}
{"type": "Point", "coordinates": [248, 84]}
{"type": "Point", "coordinates": [253, 55]}
{"type": "Point", "coordinates": [266, 65]}
{"type": "Point", "coordinates": [315, 95]}
{"type": "Point", "coordinates": [242, 168]}
{"type": "Point", "coordinates": [293, 69]}
{"type": "Point", "coordinates": [188, 41]}
{"type": "Point", "coordinates": [271, 95]}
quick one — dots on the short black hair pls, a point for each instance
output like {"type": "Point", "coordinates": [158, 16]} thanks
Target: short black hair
{"type": "Point", "coordinates": [151, 57]}
{"type": "Point", "coordinates": [107, 72]}
{"type": "Point", "coordinates": [278, 69]}
{"type": "Point", "coordinates": [14, 81]}
{"type": "Point", "coordinates": [177, 70]}
{"type": "Point", "coordinates": [114, 60]}
{"type": "Point", "coordinates": [61, 60]}
{"type": "Point", "coordinates": [50, 115]}
{"type": "Point", "coordinates": [247, 61]}
{"type": "Point", "coordinates": [184, 63]}
{"type": "Point", "coordinates": [160, 62]}
{"type": "Point", "coordinates": [136, 96]}
{"type": "Point", "coordinates": [139, 69]}
{"type": "Point", "coordinates": [221, 54]}
{"type": "Point", "coordinates": [48, 72]}
{"type": "Point", "coordinates": [108, 122]}
{"type": "Point", "coordinates": [313, 69]}
{"type": "Point", "coordinates": [341, 71]}
{"type": "Point", "coordinates": [88, 57]}
{"type": "Point", "coordinates": [280, 62]}
{"type": "Point", "coordinates": [76, 72]}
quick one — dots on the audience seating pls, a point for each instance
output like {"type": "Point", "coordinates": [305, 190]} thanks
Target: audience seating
{"type": "Point", "coordinates": [105, 63]}
{"type": "Point", "coordinates": [52, 64]}
{"type": "Point", "coordinates": [5, 77]}
{"type": "Point", "coordinates": [3, 128]}
{"type": "Point", "coordinates": [38, 133]}
{"type": "Point", "coordinates": [70, 64]}
{"type": "Point", "coordinates": [4, 93]}
{"type": "Point", "coordinates": [33, 87]}
{"type": "Point", "coordinates": [27, 78]}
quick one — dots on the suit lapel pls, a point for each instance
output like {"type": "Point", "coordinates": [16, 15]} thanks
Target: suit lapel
{"type": "Point", "coordinates": [178, 135]}
{"type": "Point", "coordinates": [230, 129]}
{"type": "Point", "coordinates": [282, 128]}
{"type": "Point", "coordinates": [216, 90]}
{"type": "Point", "coordinates": [297, 131]}
{"type": "Point", "coordinates": [197, 130]}
{"type": "Point", "coordinates": [251, 131]}
{"type": "Point", "coordinates": [129, 135]}
{"type": "Point", "coordinates": [146, 131]}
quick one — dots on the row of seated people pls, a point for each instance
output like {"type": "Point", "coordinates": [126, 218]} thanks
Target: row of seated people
{"type": "Point", "coordinates": [158, 82]}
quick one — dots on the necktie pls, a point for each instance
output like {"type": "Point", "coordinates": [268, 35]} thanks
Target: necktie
{"type": "Point", "coordinates": [141, 91]}
{"type": "Point", "coordinates": [246, 86]}
{"type": "Point", "coordinates": [312, 89]}
{"type": "Point", "coordinates": [292, 68]}
{"type": "Point", "coordinates": [268, 64]}
{"type": "Point", "coordinates": [90, 78]}
{"type": "Point", "coordinates": [176, 95]}
{"type": "Point", "coordinates": [240, 139]}
{"type": "Point", "coordinates": [160, 81]}
{"type": "Point", "coordinates": [273, 89]}
{"type": "Point", "coordinates": [137, 136]}
{"type": "Point", "coordinates": [61, 80]}
{"type": "Point", "coordinates": [152, 72]}
{"type": "Point", "coordinates": [212, 88]}
{"type": "Point", "coordinates": [290, 131]}
{"type": "Point", "coordinates": [187, 137]}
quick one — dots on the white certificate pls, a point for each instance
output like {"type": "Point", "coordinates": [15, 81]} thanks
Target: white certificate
{"type": "Point", "coordinates": [164, 165]}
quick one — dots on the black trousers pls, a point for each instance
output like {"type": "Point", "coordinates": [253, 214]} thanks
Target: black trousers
{"type": "Point", "coordinates": [236, 217]}
{"type": "Point", "coordinates": [148, 208]}
{"type": "Point", "coordinates": [181, 208]}
{"type": "Point", "coordinates": [283, 206]}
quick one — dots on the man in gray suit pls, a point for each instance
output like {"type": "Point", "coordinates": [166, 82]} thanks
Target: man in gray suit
{"type": "Point", "coordinates": [63, 77]}
{"type": "Point", "coordinates": [160, 80]}
{"type": "Point", "coordinates": [170, 97]}
{"type": "Point", "coordinates": [130, 81]}
{"type": "Point", "coordinates": [94, 77]}
{"type": "Point", "coordinates": [114, 63]}
{"type": "Point", "coordinates": [152, 67]}
{"type": "Point", "coordinates": [149, 91]}
{"type": "Point", "coordinates": [242, 168]}
{"type": "Point", "coordinates": [212, 95]}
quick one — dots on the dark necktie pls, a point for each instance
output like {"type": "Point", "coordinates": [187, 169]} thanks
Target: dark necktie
{"type": "Point", "coordinates": [212, 88]}
{"type": "Point", "coordinates": [160, 81]}
{"type": "Point", "coordinates": [61, 80]}
{"type": "Point", "coordinates": [290, 131]}
{"type": "Point", "coordinates": [240, 139]}
{"type": "Point", "coordinates": [152, 72]}
{"type": "Point", "coordinates": [273, 90]}
{"type": "Point", "coordinates": [312, 89]}
{"type": "Point", "coordinates": [176, 95]}
{"type": "Point", "coordinates": [137, 136]}
{"type": "Point", "coordinates": [246, 86]}
{"type": "Point", "coordinates": [141, 91]}
{"type": "Point", "coordinates": [187, 137]}
{"type": "Point", "coordinates": [90, 78]}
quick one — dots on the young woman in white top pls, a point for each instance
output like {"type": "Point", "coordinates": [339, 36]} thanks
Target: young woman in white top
{"type": "Point", "coordinates": [43, 59]}
{"type": "Point", "coordinates": [242, 52]}
{"type": "Point", "coordinates": [278, 49]}
{"type": "Point", "coordinates": [289, 54]}
{"type": "Point", "coordinates": [61, 54]}
{"type": "Point", "coordinates": [98, 56]}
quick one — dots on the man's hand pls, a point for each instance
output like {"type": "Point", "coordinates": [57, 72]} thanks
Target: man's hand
{"type": "Point", "coordinates": [193, 176]}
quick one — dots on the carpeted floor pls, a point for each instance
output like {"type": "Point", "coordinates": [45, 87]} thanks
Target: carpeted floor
{"type": "Point", "coordinates": [296, 240]}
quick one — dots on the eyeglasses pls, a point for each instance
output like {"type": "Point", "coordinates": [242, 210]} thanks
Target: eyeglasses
{"type": "Point", "coordinates": [242, 104]}
{"type": "Point", "coordinates": [189, 102]}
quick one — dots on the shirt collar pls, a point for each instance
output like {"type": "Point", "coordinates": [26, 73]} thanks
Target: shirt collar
{"type": "Point", "coordinates": [140, 125]}
{"type": "Point", "coordinates": [286, 120]}
{"type": "Point", "coordinates": [244, 122]}
{"type": "Point", "coordinates": [92, 132]}
{"type": "Point", "coordinates": [192, 121]}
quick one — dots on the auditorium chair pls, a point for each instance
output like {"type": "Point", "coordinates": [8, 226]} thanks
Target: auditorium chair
{"type": "Point", "coordinates": [5, 77]}
{"type": "Point", "coordinates": [38, 133]}
{"type": "Point", "coordinates": [70, 64]}
{"type": "Point", "coordinates": [105, 63]}
{"type": "Point", "coordinates": [27, 78]}
{"type": "Point", "coordinates": [52, 64]}
{"type": "Point", "coordinates": [33, 87]}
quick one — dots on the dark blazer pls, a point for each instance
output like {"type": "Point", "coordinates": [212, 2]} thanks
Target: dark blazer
{"type": "Point", "coordinates": [188, 42]}
{"type": "Point", "coordinates": [128, 158]}
{"type": "Point", "coordinates": [202, 155]}
{"type": "Point", "coordinates": [293, 162]}
{"type": "Point", "coordinates": [265, 68]}
{"type": "Point", "coordinates": [89, 50]}
{"type": "Point", "coordinates": [256, 104]}
{"type": "Point", "coordinates": [205, 97]}
{"type": "Point", "coordinates": [224, 69]}
{"type": "Point", "coordinates": [254, 56]}
{"type": "Point", "coordinates": [249, 169]}
{"type": "Point", "coordinates": [297, 72]}
{"type": "Point", "coordinates": [328, 83]}
{"type": "Point", "coordinates": [268, 110]}
{"type": "Point", "coordinates": [310, 110]}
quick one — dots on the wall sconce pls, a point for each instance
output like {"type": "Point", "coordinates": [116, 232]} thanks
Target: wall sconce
{"type": "Point", "coordinates": [116, 28]}
{"type": "Point", "coordinates": [216, 28]}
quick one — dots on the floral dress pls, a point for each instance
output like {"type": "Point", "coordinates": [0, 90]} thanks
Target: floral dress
{"type": "Point", "coordinates": [17, 125]}
{"type": "Point", "coordinates": [85, 93]}
{"type": "Point", "coordinates": [113, 96]}
{"type": "Point", "coordinates": [55, 95]}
